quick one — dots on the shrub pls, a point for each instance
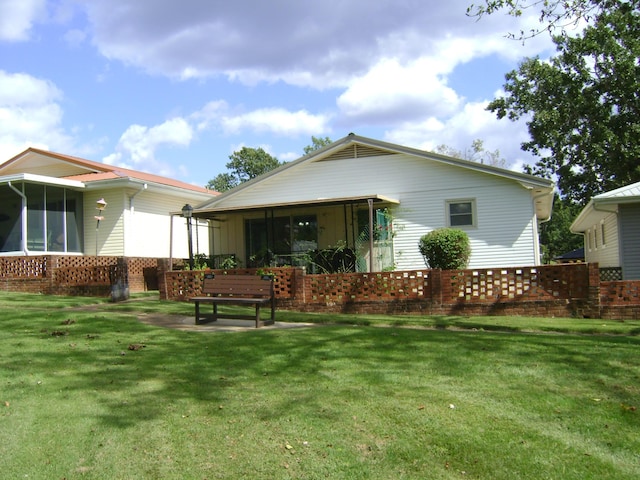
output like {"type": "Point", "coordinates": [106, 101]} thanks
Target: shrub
{"type": "Point", "coordinates": [446, 248]}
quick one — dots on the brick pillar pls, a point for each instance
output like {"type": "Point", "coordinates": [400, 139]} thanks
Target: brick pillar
{"type": "Point", "coordinates": [593, 289]}
{"type": "Point", "coordinates": [298, 292]}
{"type": "Point", "coordinates": [435, 277]}
{"type": "Point", "coordinates": [163, 268]}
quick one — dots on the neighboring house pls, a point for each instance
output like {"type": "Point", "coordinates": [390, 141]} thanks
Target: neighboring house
{"type": "Point", "coordinates": [574, 256]}
{"type": "Point", "coordinates": [610, 224]}
{"type": "Point", "coordinates": [332, 198]}
{"type": "Point", "coordinates": [48, 204]}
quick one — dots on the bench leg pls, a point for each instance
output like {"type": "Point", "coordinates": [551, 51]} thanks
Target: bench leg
{"type": "Point", "coordinates": [257, 315]}
{"type": "Point", "coordinates": [215, 312]}
{"type": "Point", "coordinates": [197, 312]}
{"type": "Point", "coordinates": [273, 310]}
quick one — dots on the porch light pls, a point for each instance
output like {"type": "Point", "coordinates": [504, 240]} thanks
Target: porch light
{"type": "Point", "coordinates": [187, 212]}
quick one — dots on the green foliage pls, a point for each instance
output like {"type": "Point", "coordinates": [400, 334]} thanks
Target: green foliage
{"type": "Point", "coordinates": [316, 144]}
{"type": "Point", "coordinates": [555, 236]}
{"type": "Point", "coordinates": [246, 164]}
{"type": "Point", "coordinates": [582, 106]}
{"type": "Point", "coordinates": [445, 248]}
{"type": "Point", "coordinates": [554, 15]}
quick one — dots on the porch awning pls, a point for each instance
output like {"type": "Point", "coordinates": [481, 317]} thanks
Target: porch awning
{"type": "Point", "coordinates": [210, 212]}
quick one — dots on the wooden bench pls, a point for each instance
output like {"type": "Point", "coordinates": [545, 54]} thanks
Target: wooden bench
{"type": "Point", "coordinates": [236, 290]}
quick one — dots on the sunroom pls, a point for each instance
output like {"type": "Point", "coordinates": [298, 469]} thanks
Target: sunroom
{"type": "Point", "coordinates": [40, 215]}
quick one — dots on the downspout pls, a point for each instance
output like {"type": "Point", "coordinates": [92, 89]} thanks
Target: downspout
{"type": "Point", "coordinates": [132, 197]}
{"type": "Point", "coordinates": [24, 218]}
{"type": "Point", "coordinates": [536, 253]}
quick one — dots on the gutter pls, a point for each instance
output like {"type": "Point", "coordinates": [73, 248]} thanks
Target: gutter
{"type": "Point", "coordinates": [24, 217]}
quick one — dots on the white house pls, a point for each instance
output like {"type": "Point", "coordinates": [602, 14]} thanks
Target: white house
{"type": "Point", "coordinates": [333, 198]}
{"type": "Point", "coordinates": [610, 224]}
{"type": "Point", "coordinates": [48, 204]}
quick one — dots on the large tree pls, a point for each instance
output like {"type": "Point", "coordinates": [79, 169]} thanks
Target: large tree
{"type": "Point", "coordinates": [245, 164]}
{"type": "Point", "coordinates": [582, 106]}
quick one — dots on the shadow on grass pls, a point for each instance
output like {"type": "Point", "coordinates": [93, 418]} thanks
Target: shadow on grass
{"type": "Point", "coordinates": [136, 372]}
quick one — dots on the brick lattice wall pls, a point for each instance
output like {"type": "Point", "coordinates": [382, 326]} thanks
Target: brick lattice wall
{"type": "Point", "coordinates": [73, 274]}
{"type": "Point", "coordinates": [550, 290]}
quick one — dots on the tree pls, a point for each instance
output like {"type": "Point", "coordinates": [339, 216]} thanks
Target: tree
{"type": "Point", "coordinates": [476, 153]}
{"type": "Point", "coordinates": [555, 236]}
{"type": "Point", "coordinates": [316, 144]}
{"type": "Point", "coordinates": [245, 164]}
{"type": "Point", "coordinates": [555, 15]}
{"type": "Point", "coordinates": [582, 106]}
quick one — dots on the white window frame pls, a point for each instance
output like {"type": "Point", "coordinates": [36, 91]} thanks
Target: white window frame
{"type": "Point", "coordinates": [456, 201]}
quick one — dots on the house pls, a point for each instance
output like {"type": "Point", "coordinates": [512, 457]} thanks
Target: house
{"type": "Point", "coordinates": [574, 256]}
{"type": "Point", "coordinates": [610, 224]}
{"type": "Point", "coordinates": [331, 199]}
{"type": "Point", "coordinates": [50, 203]}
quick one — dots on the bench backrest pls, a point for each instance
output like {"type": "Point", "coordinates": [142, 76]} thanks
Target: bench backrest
{"type": "Point", "coordinates": [238, 286]}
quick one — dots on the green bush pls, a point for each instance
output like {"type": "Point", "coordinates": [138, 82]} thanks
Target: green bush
{"type": "Point", "coordinates": [446, 248]}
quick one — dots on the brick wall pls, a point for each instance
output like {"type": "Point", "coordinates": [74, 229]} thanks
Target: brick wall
{"type": "Point", "coordinates": [570, 290]}
{"type": "Point", "coordinates": [73, 274]}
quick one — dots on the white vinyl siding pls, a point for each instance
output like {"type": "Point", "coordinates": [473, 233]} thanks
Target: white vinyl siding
{"type": "Point", "coordinates": [504, 209]}
{"type": "Point", "coordinates": [606, 253]}
{"type": "Point", "coordinates": [148, 227]}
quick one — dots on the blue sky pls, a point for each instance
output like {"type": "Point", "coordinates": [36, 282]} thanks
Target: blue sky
{"type": "Point", "coordinates": [174, 87]}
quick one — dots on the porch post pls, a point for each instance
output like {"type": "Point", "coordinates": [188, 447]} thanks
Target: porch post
{"type": "Point", "coordinates": [370, 202]}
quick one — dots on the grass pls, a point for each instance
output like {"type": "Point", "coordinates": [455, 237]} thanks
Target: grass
{"type": "Point", "coordinates": [88, 391]}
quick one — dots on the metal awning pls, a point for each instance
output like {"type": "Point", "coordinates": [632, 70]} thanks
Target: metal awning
{"type": "Point", "coordinates": [211, 211]}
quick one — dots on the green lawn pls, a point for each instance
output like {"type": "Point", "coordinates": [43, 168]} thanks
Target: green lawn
{"type": "Point", "coordinates": [94, 393]}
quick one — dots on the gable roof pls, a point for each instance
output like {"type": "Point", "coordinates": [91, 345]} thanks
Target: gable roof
{"type": "Point", "coordinates": [354, 146]}
{"type": "Point", "coordinates": [604, 204]}
{"type": "Point", "coordinates": [88, 173]}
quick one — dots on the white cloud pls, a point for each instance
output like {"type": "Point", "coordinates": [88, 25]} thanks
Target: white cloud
{"type": "Point", "coordinates": [277, 121]}
{"type": "Point", "coordinates": [390, 91]}
{"type": "Point", "coordinates": [138, 144]}
{"type": "Point", "coordinates": [30, 115]}
{"type": "Point", "coordinates": [17, 18]}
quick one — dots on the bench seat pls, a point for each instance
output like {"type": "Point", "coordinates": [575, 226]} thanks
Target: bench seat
{"type": "Point", "coordinates": [235, 290]}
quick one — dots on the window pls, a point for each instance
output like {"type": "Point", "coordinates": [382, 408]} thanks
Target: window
{"type": "Point", "coordinates": [602, 237]}
{"type": "Point", "coordinates": [461, 213]}
{"type": "Point", "coordinates": [266, 239]}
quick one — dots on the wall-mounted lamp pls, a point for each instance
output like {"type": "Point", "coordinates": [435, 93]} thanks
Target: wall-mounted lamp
{"type": "Point", "coordinates": [100, 206]}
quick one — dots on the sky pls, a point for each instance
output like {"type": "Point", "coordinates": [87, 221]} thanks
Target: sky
{"type": "Point", "coordinates": [175, 87]}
